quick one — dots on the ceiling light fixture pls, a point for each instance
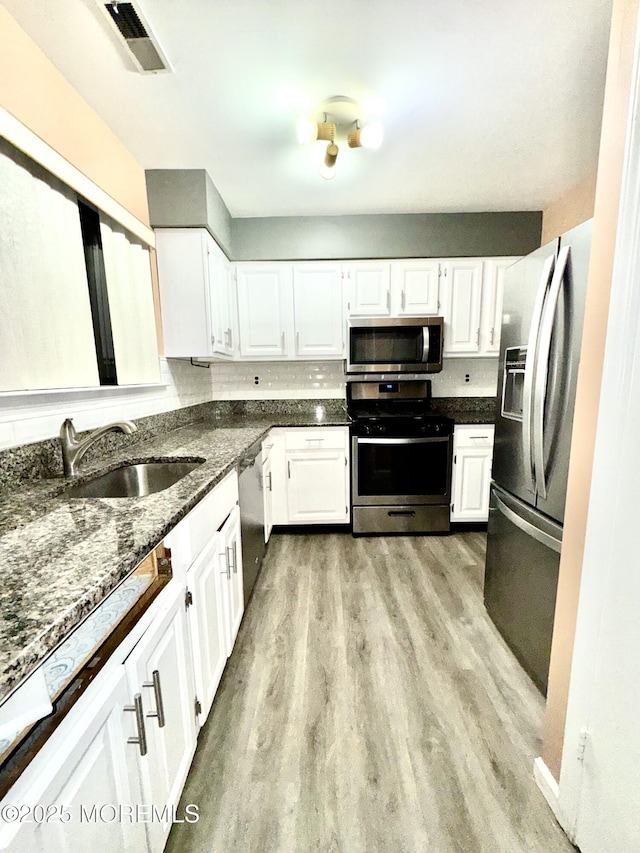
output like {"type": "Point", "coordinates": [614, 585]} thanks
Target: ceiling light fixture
{"type": "Point", "coordinates": [338, 118]}
{"type": "Point", "coordinates": [328, 167]}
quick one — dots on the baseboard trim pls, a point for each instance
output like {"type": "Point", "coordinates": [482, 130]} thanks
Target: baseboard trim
{"type": "Point", "coordinates": [550, 789]}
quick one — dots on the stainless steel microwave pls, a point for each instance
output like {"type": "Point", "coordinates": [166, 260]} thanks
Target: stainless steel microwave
{"type": "Point", "coordinates": [403, 345]}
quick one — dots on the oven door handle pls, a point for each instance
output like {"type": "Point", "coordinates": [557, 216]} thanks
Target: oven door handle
{"type": "Point", "coordinates": [401, 440]}
{"type": "Point", "coordinates": [426, 344]}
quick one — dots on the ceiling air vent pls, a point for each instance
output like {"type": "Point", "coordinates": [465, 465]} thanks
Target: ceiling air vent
{"type": "Point", "coordinates": [143, 45]}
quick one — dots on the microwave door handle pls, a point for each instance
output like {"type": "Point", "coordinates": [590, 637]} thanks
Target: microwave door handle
{"type": "Point", "coordinates": [542, 369]}
{"type": "Point", "coordinates": [426, 341]}
{"type": "Point", "coordinates": [529, 374]}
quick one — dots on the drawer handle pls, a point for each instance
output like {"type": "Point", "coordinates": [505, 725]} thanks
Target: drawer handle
{"type": "Point", "coordinates": [141, 740]}
{"type": "Point", "coordinates": [393, 512]}
{"type": "Point", "coordinates": [157, 689]}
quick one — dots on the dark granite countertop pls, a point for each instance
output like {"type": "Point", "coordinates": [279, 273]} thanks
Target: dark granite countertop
{"type": "Point", "coordinates": [62, 557]}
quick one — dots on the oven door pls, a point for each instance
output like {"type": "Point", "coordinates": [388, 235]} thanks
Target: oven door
{"type": "Point", "coordinates": [401, 471]}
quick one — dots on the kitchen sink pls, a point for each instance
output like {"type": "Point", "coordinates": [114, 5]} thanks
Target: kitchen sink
{"type": "Point", "coordinates": [135, 480]}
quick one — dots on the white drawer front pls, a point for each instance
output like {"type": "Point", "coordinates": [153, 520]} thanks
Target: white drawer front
{"type": "Point", "coordinates": [327, 438]}
{"type": "Point", "coordinates": [472, 435]}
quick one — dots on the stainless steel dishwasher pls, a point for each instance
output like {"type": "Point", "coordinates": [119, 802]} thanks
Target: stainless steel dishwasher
{"type": "Point", "coordinates": [251, 516]}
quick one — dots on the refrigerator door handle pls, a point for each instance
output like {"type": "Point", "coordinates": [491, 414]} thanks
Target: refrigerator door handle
{"type": "Point", "coordinates": [529, 374]}
{"type": "Point", "coordinates": [528, 528]}
{"type": "Point", "coordinates": [542, 369]}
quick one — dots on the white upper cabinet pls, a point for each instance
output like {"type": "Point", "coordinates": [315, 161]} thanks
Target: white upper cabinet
{"type": "Point", "coordinates": [369, 288]}
{"type": "Point", "coordinates": [414, 288]}
{"type": "Point", "coordinates": [265, 310]}
{"type": "Point", "coordinates": [193, 273]}
{"type": "Point", "coordinates": [461, 294]}
{"type": "Point", "coordinates": [318, 308]}
{"type": "Point", "coordinates": [492, 291]}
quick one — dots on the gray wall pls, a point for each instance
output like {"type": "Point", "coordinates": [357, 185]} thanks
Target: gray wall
{"type": "Point", "coordinates": [416, 235]}
{"type": "Point", "coordinates": [188, 198]}
{"type": "Point", "coordinates": [183, 198]}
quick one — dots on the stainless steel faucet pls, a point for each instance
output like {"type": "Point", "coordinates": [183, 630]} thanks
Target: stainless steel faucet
{"type": "Point", "coordinates": [73, 449]}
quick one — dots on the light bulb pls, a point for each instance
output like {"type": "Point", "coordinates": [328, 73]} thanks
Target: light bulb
{"type": "Point", "coordinates": [306, 131]}
{"type": "Point", "coordinates": [371, 135]}
{"type": "Point", "coordinates": [327, 172]}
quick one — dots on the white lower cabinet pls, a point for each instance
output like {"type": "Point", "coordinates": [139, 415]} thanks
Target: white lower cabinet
{"type": "Point", "coordinates": [114, 769]}
{"type": "Point", "coordinates": [83, 775]}
{"type": "Point", "coordinates": [267, 490]}
{"type": "Point", "coordinates": [159, 669]}
{"type": "Point", "coordinates": [119, 760]}
{"type": "Point", "coordinates": [315, 488]}
{"type": "Point", "coordinates": [230, 570]}
{"type": "Point", "coordinates": [206, 589]}
{"type": "Point", "coordinates": [310, 475]}
{"type": "Point", "coordinates": [472, 457]}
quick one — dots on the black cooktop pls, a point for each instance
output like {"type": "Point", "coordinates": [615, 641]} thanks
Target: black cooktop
{"type": "Point", "coordinates": [394, 408]}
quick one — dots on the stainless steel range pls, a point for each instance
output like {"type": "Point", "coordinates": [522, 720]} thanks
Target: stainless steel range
{"type": "Point", "coordinates": [401, 456]}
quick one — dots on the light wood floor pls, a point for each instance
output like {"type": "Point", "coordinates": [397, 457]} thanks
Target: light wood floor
{"type": "Point", "coordinates": [370, 707]}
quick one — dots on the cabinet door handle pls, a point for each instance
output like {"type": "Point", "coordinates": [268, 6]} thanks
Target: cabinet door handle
{"type": "Point", "coordinates": [478, 338]}
{"type": "Point", "coordinates": [157, 689]}
{"type": "Point", "coordinates": [297, 343]}
{"type": "Point", "coordinates": [231, 549]}
{"type": "Point", "coordinates": [388, 300]}
{"type": "Point", "coordinates": [269, 478]}
{"type": "Point", "coordinates": [491, 337]}
{"type": "Point", "coordinates": [283, 341]}
{"type": "Point", "coordinates": [141, 740]}
{"type": "Point", "coordinates": [402, 301]}
{"type": "Point", "coordinates": [226, 571]}
{"type": "Point", "coordinates": [288, 469]}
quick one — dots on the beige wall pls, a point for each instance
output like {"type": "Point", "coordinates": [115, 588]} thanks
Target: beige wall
{"type": "Point", "coordinates": [569, 210]}
{"type": "Point", "coordinates": [607, 197]}
{"type": "Point", "coordinates": [35, 92]}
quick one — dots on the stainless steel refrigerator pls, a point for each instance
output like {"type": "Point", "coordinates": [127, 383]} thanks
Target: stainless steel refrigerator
{"type": "Point", "coordinates": [543, 312]}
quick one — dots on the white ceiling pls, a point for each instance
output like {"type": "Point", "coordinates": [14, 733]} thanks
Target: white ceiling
{"type": "Point", "coordinates": [490, 104]}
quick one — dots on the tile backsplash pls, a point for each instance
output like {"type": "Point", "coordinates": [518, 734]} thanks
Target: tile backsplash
{"type": "Point", "coordinates": [278, 380]}
{"type": "Point", "coordinates": [30, 417]}
{"type": "Point", "coordinates": [460, 377]}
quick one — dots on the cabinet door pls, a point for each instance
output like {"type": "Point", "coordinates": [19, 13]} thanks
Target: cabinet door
{"type": "Point", "coordinates": [207, 625]}
{"type": "Point", "coordinates": [462, 288]}
{"type": "Point", "coordinates": [267, 492]}
{"type": "Point", "coordinates": [184, 292]}
{"type": "Point", "coordinates": [492, 290]}
{"type": "Point", "coordinates": [414, 288]}
{"type": "Point", "coordinates": [265, 310]}
{"type": "Point", "coordinates": [159, 668]}
{"type": "Point", "coordinates": [216, 282]}
{"type": "Point", "coordinates": [230, 568]}
{"type": "Point", "coordinates": [317, 486]}
{"type": "Point", "coordinates": [92, 767]}
{"type": "Point", "coordinates": [318, 311]}
{"type": "Point", "coordinates": [473, 452]}
{"type": "Point", "coordinates": [369, 289]}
